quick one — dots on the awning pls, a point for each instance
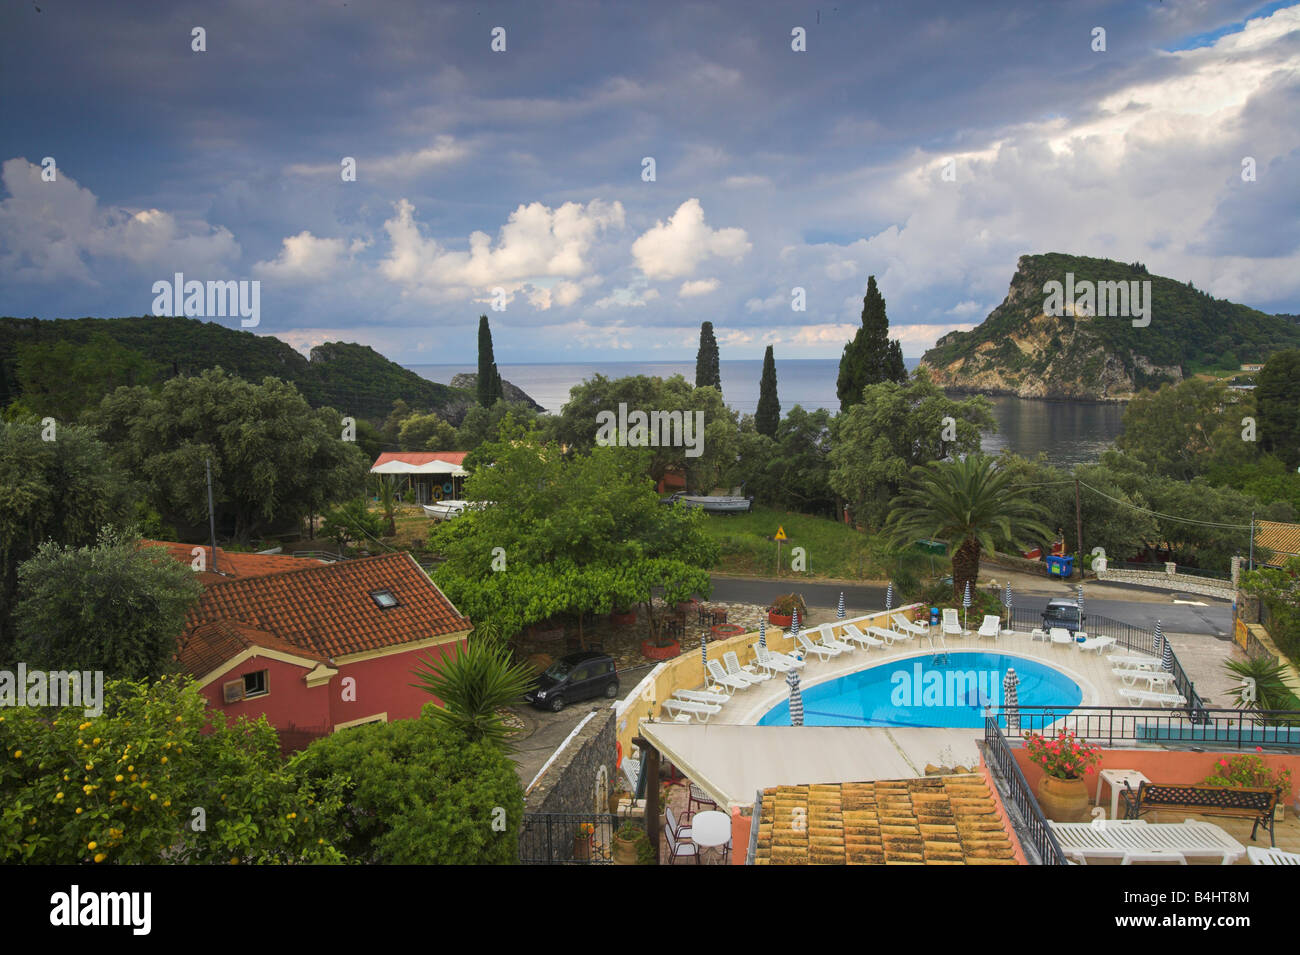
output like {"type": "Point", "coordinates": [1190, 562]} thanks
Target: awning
{"type": "Point", "coordinates": [440, 468]}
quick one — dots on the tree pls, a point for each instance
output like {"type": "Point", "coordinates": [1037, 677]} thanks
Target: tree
{"type": "Point", "coordinates": [1277, 395]}
{"type": "Point", "coordinates": [1176, 431]}
{"type": "Point", "coordinates": [426, 432]}
{"type": "Point", "coordinates": [482, 424]}
{"type": "Point", "coordinates": [352, 523]}
{"type": "Point", "coordinates": [274, 459]}
{"type": "Point", "coordinates": [386, 491]}
{"type": "Point", "coordinates": [62, 490]}
{"type": "Point", "coordinates": [871, 358]}
{"type": "Point", "coordinates": [970, 503]}
{"type": "Point", "coordinates": [707, 372]}
{"type": "Point", "coordinates": [473, 685]}
{"type": "Point", "coordinates": [114, 607]}
{"type": "Point", "coordinates": [489, 379]}
{"type": "Point", "coordinates": [877, 442]}
{"type": "Point", "coordinates": [768, 415]}
{"type": "Point", "coordinates": [792, 470]}
{"type": "Point", "coordinates": [62, 379]}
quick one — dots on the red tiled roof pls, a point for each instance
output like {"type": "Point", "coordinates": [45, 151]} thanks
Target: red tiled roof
{"type": "Point", "coordinates": [420, 457]}
{"type": "Point", "coordinates": [231, 565]}
{"type": "Point", "coordinates": [208, 646]}
{"type": "Point", "coordinates": [1282, 539]}
{"type": "Point", "coordinates": [327, 610]}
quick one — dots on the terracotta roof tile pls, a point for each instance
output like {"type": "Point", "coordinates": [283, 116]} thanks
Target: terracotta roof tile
{"type": "Point", "coordinates": [1282, 539]}
{"type": "Point", "coordinates": [231, 565]}
{"type": "Point", "coordinates": [212, 644]}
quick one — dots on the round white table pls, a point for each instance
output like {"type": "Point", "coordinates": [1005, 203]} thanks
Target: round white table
{"type": "Point", "coordinates": [710, 829]}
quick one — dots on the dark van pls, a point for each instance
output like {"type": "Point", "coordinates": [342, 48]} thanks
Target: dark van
{"type": "Point", "coordinates": [1064, 614]}
{"type": "Point", "coordinates": [578, 676]}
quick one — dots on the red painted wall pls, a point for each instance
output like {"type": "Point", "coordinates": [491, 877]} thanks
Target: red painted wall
{"type": "Point", "coordinates": [289, 700]}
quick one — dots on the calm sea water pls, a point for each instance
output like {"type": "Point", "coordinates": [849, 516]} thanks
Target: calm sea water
{"type": "Point", "coordinates": [1070, 432]}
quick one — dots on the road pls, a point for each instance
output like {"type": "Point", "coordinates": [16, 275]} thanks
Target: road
{"type": "Point", "coordinates": [1213, 619]}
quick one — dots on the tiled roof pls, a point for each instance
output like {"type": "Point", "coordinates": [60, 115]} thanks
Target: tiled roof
{"type": "Point", "coordinates": [212, 644]}
{"type": "Point", "coordinates": [327, 610]}
{"type": "Point", "coordinates": [1282, 539]}
{"type": "Point", "coordinates": [937, 820]}
{"type": "Point", "coordinates": [420, 457]}
{"type": "Point", "coordinates": [231, 565]}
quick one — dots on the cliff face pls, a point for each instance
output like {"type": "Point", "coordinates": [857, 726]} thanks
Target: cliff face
{"type": "Point", "coordinates": [1090, 353]}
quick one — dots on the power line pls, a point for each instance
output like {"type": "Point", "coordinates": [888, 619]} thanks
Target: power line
{"type": "Point", "coordinates": [1145, 510]}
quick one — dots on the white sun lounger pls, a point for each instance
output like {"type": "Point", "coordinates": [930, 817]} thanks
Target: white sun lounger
{"type": "Point", "coordinates": [701, 696]}
{"type": "Point", "coordinates": [1134, 662]}
{"type": "Point", "coordinates": [991, 626]}
{"type": "Point", "coordinates": [903, 625]}
{"type": "Point", "coordinates": [1261, 856]}
{"type": "Point", "coordinates": [702, 711]}
{"type": "Point", "coordinates": [1096, 643]}
{"type": "Point", "coordinates": [1061, 635]}
{"type": "Point", "coordinates": [776, 659]}
{"type": "Point", "coordinates": [850, 631]}
{"type": "Point", "coordinates": [732, 662]}
{"type": "Point", "coordinates": [1117, 837]}
{"type": "Point", "coordinates": [829, 640]}
{"type": "Point", "coordinates": [1143, 697]}
{"type": "Point", "coordinates": [772, 666]}
{"type": "Point", "coordinates": [810, 647]}
{"type": "Point", "coordinates": [723, 679]}
{"type": "Point", "coordinates": [1154, 678]}
{"type": "Point", "coordinates": [889, 636]}
{"type": "Point", "coordinates": [950, 624]}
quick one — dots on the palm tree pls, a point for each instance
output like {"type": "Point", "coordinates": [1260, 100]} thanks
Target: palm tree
{"type": "Point", "coordinates": [1263, 686]}
{"type": "Point", "coordinates": [388, 502]}
{"type": "Point", "coordinates": [472, 685]}
{"type": "Point", "coordinates": [970, 503]}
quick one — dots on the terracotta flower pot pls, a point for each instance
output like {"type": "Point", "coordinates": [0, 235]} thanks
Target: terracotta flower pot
{"type": "Point", "coordinates": [623, 619]}
{"type": "Point", "coordinates": [650, 651]}
{"type": "Point", "coordinates": [623, 851]}
{"type": "Point", "coordinates": [779, 620]}
{"type": "Point", "coordinates": [582, 847]}
{"type": "Point", "coordinates": [1064, 800]}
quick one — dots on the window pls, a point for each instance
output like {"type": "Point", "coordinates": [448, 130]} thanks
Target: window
{"type": "Point", "coordinates": [255, 684]}
{"type": "Point", "coordinates": [384, 598]}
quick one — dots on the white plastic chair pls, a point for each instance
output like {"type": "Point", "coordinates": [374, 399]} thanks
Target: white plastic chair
{"type": "Point", "coordinates": [950, 625]}
{"type": "Point", "coordinates": [732, 662]}
{"type": "Point", "coordinates": [903, 625]}
{"type": "Point", "coordinates": [725, 680]}
{"type": "Point", "coordinates": [828, 639]}
{"type": "Point", "coordinates": [1260, 856]}
{"type": "Point", "coordinates": [810, 647]}
{"type": "Point", "coordinates": [991, 626]}
{"type": "Point", "coordinates": [850, 631]}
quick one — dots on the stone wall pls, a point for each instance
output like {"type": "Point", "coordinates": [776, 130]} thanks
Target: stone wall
{"type": "Point", "coordinates": [581, 768]}
{"type": "Point", "coordinates": [1183, 583]}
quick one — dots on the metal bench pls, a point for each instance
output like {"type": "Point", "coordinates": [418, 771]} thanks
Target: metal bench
{"type": "Point", "coordinates": [1256, 804]}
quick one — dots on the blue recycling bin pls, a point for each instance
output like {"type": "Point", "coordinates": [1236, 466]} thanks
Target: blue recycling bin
{"type": "Point", "coordinates": [934, 616]}
{"type": "Point", "coordinates": [1060, 566]}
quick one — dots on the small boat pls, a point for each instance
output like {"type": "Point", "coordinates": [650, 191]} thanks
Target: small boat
{"type": "Point", "coordinates": [729, 504]}
{"type": "Point", "coordinates": [445, 510]}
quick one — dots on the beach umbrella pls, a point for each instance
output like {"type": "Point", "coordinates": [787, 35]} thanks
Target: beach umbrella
{"type": "Point", "coordinates": [839, 611]}
{"type": "Point", "coordinates": [889, 596]}
{"type": "Point", "coordinates": [1167, 654]}
{"type": "Point", "coordinates": [704, 649]}
{"type": "Point", "coordinates": [1159, 640]}
{"type": "Point", "coordinates": [965, 605]}
{"type": "Point", "coordinates": [796, 699]}
{"type": "Point", "coordinates": [762, 633]}
{"type": "Point", "coordinates": [1011, 702]}
{"type": "Point", "coordinates": [794, 622]}
{"type": "Point", "coordinates": [1006, 600]}
{"type": "Point", "coordinates": [1080, 591]}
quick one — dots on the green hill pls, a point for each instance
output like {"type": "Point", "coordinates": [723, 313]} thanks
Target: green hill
{"type": "Point", "coordinates": [1020, 350]}
{"type": "Point", "coordinates": [353, 379]}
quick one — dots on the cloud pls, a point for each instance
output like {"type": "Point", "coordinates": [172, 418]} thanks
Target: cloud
{"type": "Point", "coordinates": [777, 299]}
{"type": "Point", "coordinates": [961, 309]}
{"type": "Point", "coordinates": [306, 258]}
{"type": "Point", "coordinates": [402, 165]}
{"type": "Point", "coordinates": [628, 298]}
{"type": "Point", "coordinates": [698, 287]}
{"type": "Point", "coordinates": [675, 249]}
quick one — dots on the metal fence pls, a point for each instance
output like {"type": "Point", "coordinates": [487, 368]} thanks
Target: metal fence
{"type": "Point", "coordinates": [567, 838]}
{"type": "Point", "coordinates": [1020, 798]}
{"type": "Point", "coordinates": [1127, 637]}
{"type": "Point", "coordinates": [1218, 728]}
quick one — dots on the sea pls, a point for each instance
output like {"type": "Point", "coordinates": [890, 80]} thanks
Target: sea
{"type": "Point", "coordinates": [1071, 432]}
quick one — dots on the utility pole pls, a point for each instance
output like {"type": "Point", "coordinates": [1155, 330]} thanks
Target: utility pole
{"type": "Point", "coordinates": [1252, 540]}
{"type": "Point", "coordinates": [1078, 526]}
{"type": "Point", "coordinates": [212, 517]}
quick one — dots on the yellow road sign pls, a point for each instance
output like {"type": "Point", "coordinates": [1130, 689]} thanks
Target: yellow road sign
{"type": "Point", "coordinates": [780, 534]}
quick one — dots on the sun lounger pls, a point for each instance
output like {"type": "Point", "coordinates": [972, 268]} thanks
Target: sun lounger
{"type": "Point", "coordinates": [701, 696]}
{"type": "Point", "coordinates": [1153, 678]}
{"type": "Point", "coordinates": [991, 626]}
{"type": "Point", "coordinates": [950, 624]}
{"type": "Point", "coordinates": [769, 664]}
{"type": "Point", "coordinates": [829, 640]}
{"type": "Point", "coordinates": [1116, 837]}
{"type": "Point", "coordinates": [850, 631]}
{"type": "Point", "coordinates": [778, 659]}
{"type": "Point", "coordinates": [1134, 661]}
{"type": "Point", "coordinates": [701, 711]}
{"type": "Point", "coordinates": [727, 681]}
{"type": "Point", "coordinates": [1038, 634]}
{"type": "Point", "coordinates": [810, 647]}
{"type": "Point", "coordinates": [1261, 856]}
{"type": "Point", "coordinates": [1061, 635]}
{"type": "Point", "coordinates": [732, 662]}
{"type": "Point", "coordinates": [903, 625]}
{"type": "Point", "coordinates": [1143, 697]}
{"type": "Point", "coordinates": [1096, 643]}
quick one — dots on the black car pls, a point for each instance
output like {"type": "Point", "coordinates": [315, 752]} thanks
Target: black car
{"type": "Point", "coordinates": [578, 676]}
{"type": "Point", "coordinates": [1065, 614]}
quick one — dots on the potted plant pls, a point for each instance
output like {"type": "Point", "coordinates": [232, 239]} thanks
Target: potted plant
{"type": "Point", "coordinates": [631, 844]}
{"type": "Point", "coordinates": [1066, 761]}
{"type": "Point", "coordinates": [781, 613]}
{"type": "Point", "coordinates": [582, 841]}
{"type": "Point", "coordinates": [623, 616]}
{"type": "Point", "coordinates": [1251, 772]}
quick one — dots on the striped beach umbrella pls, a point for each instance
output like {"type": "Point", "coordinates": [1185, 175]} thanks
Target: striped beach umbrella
{"type": "Point", "coordinates": [1011, 701]}
{"type": "Point", "coordinates": [1006, 601]}
{"type": "Point", "coordinates": [762, 632]}
{"type": "Point", "coordinates": [704, 649]}
{"type": "Point", "coordinates": [1080, 592]}
{"type": "Point", "coordinates": [839, 611]}
{"type": "Point", "coordinates": [1159, 640]}
{"type": "Point", "coordinates": [1167, 654]}
{"type": "Point", "coordinates": [965, 605]}
{"type": "Point", "coordinates": [796, 699]}
{"type": "Point", "coordinates": [794, 623]}
{"type": "Point", "coordinates": [889, 596]}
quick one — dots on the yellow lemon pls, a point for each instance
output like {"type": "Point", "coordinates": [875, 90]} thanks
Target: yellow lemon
{"type": "Point", "coordinates": [18, 754]}
{"type": "Point", "coordinates": [58, 796]}
{"type": "Point", "coordinates": [100, 856]}
{"type": "Point", "coordinates": [164, 759]}
{"type": "Point", "coordinates": [118, 778]}
{"type": "Point", "coordinates": [91, 846]}
{"type": "Point", "coordinates": [78, 810]}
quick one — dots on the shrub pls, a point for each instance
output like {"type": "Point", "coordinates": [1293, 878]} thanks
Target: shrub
{"type": "Point", "coordinates": [1249, 772]}
{"type": "Point", "coordinates": [785, 604]}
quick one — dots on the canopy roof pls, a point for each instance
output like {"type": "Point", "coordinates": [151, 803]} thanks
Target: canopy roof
{"type": "Point", "coordinates": [420, 462]}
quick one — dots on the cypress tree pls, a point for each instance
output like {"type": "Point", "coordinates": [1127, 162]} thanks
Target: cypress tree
{"type": "Point", "coordinates": [768, 415]}
{"type": "Point", "coordinates": [489, 379]}
{"type": "Point", "coordinates": [706, 359]}
{"type": "Point", "coordinates": [872, 357]}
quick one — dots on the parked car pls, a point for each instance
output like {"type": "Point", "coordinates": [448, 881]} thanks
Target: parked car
{"type": "Point", "coordinates": [575, 677]}
{"type": "Point", "coordinates": [1064, 613]}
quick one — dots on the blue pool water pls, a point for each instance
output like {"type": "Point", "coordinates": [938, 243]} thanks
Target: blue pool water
{"type": "Point", "coordinates": [933, 690]}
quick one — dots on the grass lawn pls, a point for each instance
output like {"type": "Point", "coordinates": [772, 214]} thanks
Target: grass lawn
{"type": "Point", "coordinates": [832, 549]}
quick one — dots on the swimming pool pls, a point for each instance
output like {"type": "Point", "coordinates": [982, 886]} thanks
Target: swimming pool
{"type": "Point", "coordinates": [940, 689]}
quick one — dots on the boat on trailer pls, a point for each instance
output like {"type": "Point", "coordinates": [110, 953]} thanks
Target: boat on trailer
{"type": "Point", "coordinates": [714, 504]}
{"type": "Point", "coordinates": [445, 510]}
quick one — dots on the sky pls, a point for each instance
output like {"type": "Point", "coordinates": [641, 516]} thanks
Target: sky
{"type": "Point", "coordinates": [513, 182]}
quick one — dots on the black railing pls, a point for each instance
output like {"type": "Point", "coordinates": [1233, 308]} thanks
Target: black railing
{"type": "Point", "coordinates": [1019, 798]}
{"type": "Point", "coordinates": [1217, 728]}
{"type": "Point", "coordinates": [562, 838]}
{"type": "Point", "coordinates": [1127, 637]}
